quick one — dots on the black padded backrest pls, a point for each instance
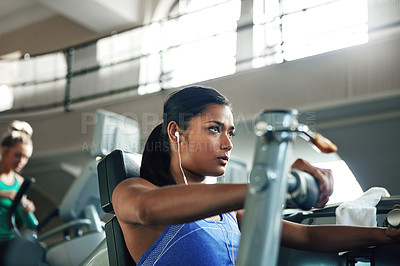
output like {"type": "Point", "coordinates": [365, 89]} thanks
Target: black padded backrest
{"type": "Point", "coordinates": [112, 169]}
{"type": "Point", "coordinates": [118, 254]}
{"type": "Point", "coordinates": [115, 167]}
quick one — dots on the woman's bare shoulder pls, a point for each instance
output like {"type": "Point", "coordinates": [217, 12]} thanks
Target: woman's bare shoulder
{"type": "Point", "coordinates": [135, 182]}
{"type": "Point", "coordinates": [19, 178]}
{"type": "Point", "coordinates": [129, 201]}
{"type": "Point", "coordinates": [131, 186]}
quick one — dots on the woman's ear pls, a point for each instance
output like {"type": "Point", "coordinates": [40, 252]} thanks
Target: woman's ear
{"type": "Point", "coordinates": [173, 132]}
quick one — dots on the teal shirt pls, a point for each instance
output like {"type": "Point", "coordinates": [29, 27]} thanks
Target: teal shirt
{"type": "Point", "coordinates": [5, 205]}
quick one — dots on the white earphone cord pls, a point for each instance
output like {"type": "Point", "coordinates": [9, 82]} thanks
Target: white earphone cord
{"type": "Point", "coordinates": [179, 157]}
{"type": "Point", "coordinates": [231, 256]}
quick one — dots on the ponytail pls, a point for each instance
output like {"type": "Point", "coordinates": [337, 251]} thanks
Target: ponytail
{"type": "Point", "coordinates": [156, 158]}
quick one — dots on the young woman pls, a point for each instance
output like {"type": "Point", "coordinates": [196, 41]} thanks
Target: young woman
{"type": "Point", "coordinates": [16, 149]}
{"type": "Point", "coordinates": [169, 217]}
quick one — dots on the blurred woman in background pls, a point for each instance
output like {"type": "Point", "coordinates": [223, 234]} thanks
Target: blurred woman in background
{"type": "Point", "coordinates": [16, 149]}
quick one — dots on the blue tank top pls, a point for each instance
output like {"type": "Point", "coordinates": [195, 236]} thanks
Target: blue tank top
{"type": "Point", "coordinates": [202, 242]}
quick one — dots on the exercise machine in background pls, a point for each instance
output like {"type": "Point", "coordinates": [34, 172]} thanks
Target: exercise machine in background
{"type": "Point", "coordinates": [80, 210]}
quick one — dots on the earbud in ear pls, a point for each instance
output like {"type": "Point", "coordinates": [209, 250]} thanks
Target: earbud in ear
{"type": "Point", "coordinates": [179, 157]}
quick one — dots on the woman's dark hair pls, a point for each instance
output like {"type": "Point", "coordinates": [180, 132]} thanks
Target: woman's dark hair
{"type": "Point", "coordinates": [181, 106]}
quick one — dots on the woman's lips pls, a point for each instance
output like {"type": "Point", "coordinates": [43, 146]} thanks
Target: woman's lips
{"type": "Point", "coordinates": [223, 159]}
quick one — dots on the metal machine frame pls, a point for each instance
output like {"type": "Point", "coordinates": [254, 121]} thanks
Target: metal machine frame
{"type": "Point", "coordinates": [266, 195]}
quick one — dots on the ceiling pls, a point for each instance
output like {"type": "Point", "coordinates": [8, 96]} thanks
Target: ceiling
{"type": "Point", "coordinates": [40, 26]}
{"type": "Point", "coordinates": [16, 14]}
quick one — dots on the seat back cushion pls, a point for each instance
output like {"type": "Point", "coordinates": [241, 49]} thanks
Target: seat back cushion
{"type": "Point", "coordinates": [115, 167]}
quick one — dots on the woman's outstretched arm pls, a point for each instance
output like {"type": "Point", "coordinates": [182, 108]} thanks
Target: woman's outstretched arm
{"type": "Point", "coordinates": [335, 238]}
{"type": "Point", "coordinates": [137, 201]}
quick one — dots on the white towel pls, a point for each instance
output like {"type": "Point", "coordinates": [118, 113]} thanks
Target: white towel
{"type": "Point", "coordinates": [361, 211]}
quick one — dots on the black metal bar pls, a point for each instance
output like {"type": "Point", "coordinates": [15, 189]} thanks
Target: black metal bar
{"type": "Point", "coordinates": [67, 100]}
{"type": "Point", "coordinates": [17, 200]}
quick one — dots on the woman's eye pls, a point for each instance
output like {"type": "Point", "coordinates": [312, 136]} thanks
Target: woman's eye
{"type": "Point", "coordinates": [214, 129]}
{"type": "Point", "coordinates": [231, 134]}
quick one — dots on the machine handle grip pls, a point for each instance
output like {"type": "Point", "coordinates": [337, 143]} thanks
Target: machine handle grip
{"type": "Point", "coordinates": [14, 206]}
{"type": "Point", "coordinates": [323, 144]}
{"type": "Point", "coordinates": [29, 218]}
{"type": "Point", "coordinates": [303, 190]}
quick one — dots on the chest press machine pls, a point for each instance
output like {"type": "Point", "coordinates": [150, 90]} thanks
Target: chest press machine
{"type": "Point", "coordinates": [271, 185]}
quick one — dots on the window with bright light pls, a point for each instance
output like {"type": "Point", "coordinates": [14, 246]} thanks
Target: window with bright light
{"type": "Point", "coordinates": [7, 98]}
{"type": "Point", "coordinates": [291, 29]}
{"type": "Point", "coordinates": [198, 43]}
{"type": "Point", "coordinates": [199, 39]}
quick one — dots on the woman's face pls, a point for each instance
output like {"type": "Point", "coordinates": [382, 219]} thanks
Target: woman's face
{"type": "Point", "coordinates": [16, 157]}
{"type": "Point", "coordinates": [207, 143]}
